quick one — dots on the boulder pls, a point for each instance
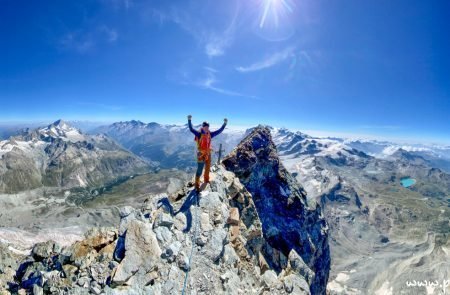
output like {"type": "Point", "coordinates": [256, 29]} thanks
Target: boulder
{"type": "Point", "coordinates": [42, 250]}
{"type": "Point", "coordinates": [214, 248]}
{"type": "Point", "coordinates": [164, 219]}
{"type": "Point", "coordinates": [141, 248]}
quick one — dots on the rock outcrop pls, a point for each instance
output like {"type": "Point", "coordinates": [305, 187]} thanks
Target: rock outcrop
{"type": "Point", "coordinates": [223, 240]}
{"type": "Point", "coordinates": [293, 227]}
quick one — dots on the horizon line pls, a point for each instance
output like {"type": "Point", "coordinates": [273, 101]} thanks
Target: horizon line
{"type": "Point", "coordinates": [320, 133]}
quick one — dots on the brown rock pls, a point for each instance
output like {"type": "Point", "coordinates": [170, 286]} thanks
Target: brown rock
{"type": "Point", "coordinates": [69, 272]}
{"type": "Point", "coordinates": [235, 232]}
{"type": "Point", "coordinates": [100, 237]}
{"type": "Point", "coordinates": [107, 252]}
{"type": "Point", "coordinates": [263, 265]}
{"type": "Point", "coordinates": [234, 216]}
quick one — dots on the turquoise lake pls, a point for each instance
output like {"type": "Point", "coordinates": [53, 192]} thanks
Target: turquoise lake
{"type": "Point", "coordinates": [407, 182]}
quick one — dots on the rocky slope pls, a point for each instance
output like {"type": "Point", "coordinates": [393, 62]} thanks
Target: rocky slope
{"type": "Point", "coordinates": [225, 240]}
{"type": "Point", "coordinates": [62, 156]}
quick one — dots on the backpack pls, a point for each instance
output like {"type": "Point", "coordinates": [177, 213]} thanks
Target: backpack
{"type": "Point", "coordinates": [203, 141]}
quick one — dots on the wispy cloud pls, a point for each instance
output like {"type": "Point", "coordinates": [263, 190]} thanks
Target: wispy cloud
{"type": "Point", "coordinates": [268, 61]}
{"type": "Point", "coordinates": [216, 45]}
{"type": "Point", "coordinates": [210, 83]}
{"type": "Point", "coordinates": [110, 34]}
{"type": "Point", "coordinates": [206, 79]}
{"type": "Point", "coordinates": [83, 41]}
{"type": "Point", "coordinates": [215, 42]}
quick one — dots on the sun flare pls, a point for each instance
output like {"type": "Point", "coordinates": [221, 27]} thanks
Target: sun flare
{"type": "Point", "coordinates": [275, 10]}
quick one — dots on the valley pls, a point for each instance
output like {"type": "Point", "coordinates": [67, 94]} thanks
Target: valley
{"type": "Point", "coordinates": [44, 213]}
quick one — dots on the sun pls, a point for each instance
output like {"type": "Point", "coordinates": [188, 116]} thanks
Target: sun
{"type": "Point", "coordinates": [273, 11]}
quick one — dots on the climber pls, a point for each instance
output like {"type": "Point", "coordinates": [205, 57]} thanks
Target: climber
{"type": "Point", "coordinates": [203, 139]}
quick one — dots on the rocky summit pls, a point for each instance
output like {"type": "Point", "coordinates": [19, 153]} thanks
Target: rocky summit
{"type": "Point", "coordinates": [289, 223]}
{"type": "Point", "coordinates": [250, 231]}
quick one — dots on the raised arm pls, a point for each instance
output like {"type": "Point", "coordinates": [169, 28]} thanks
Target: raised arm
{"type": "Point", "coordinates": [196, 133]}
{"type": "Point", "coordinates": [217, 132]}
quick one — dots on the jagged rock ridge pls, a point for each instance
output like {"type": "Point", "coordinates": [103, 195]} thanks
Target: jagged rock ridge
{"type": "Point", "coordinates": [289, 222]}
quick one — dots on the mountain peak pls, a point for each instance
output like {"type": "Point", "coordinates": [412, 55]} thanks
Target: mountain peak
{"type": "Point", "coordinates": [61, 125]}
{"type": "Point", "coordinates": [61, 130]}
{"type": "Point", "coordinates": [137, 123]}
{"type": "Point", "coordinates": [288, 221]}
{"type": "Point", "coordinates": [59, 122]}
{"type": "Point", "coordinates": [129, 124]}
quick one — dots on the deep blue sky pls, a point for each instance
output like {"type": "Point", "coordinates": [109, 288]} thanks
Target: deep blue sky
{"type": "Point", "coordinates": [362, 67]}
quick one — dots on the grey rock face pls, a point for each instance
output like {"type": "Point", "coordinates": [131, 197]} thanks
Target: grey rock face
{"type": "Point", "coordinates": [141, 251]}
{"type": "Point", "coordinates": [289, 222]}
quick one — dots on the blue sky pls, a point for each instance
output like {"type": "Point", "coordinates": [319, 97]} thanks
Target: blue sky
{"type": "Point", "coordinates": [357, 67]}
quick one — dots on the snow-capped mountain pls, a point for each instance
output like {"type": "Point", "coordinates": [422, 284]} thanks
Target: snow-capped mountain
{"type": "Point", "coordinates": [12, 129]}
{"type": "Point", "coordinates": [171, 146]}
{"type": "Point", "coordinates": [60, 155]}
{"type": "Point", "coordinates": [61, 130]}
{"type": "Point", "coordinates": [437, 156]}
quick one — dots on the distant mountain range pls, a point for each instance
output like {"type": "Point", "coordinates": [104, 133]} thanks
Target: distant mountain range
{"type": "Point", "coordinates": [173, 146]}
{"type": "Point", "coordinates": [170, 146]}
{"type": "Point", "coordinates": [60, 155]}
{"type": "Point", "coordinates": [435, 155]}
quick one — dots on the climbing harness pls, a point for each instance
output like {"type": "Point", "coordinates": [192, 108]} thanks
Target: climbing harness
{"type": "Point", "coordinates": [183, 292]}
